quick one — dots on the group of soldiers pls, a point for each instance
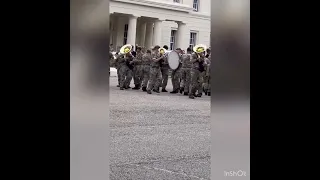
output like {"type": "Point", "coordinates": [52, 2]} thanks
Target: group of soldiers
{"type": "Point", "coordinates": [149, 70]}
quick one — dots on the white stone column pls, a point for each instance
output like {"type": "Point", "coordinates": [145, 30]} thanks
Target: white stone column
{"type": "Point", "coordinates": [132, 30]}
{"type": "Point", "coordinates": [157, 33]}
{"type": "Point", "coordinates": [182, 36]}
{"type": "Point", "coordinates": [111, 30]}
{"type": "Point", "coordinates": [119, 31]}
{"type": "Point", "coordinates": [149, 35]}
{"type": "Point", "coordinates": [143, 33]}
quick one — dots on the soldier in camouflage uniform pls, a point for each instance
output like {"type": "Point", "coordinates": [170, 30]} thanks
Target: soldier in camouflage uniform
{"type": "Point", "coordinates": [201, 79]}
{"type": "Point", "coordinates": [137, 70]}
{"type": "Point", "coordinates": [195, 73]}
{"type": "Point", "coordinates": [116, 65]}
{"type": "Point", "coordinates": [206, 85]}
{"type": "Point", "coordinates": [155, 71]}
{"type": "Point", "coordinates": [165, 71]}
{"type": "Point", "coordinates": [146, 60]}
{"type": "Point", "coordinates": [185, 72]}
{"type": "Point", "coordinates": [176, 75]}
{"type": "Point", "coordinates": [125, 72]}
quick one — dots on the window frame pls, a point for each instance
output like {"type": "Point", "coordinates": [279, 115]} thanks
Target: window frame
{"type": "Point", "coordinates": [125, 34]}
{"type": "Point", "coordinates": [173, 35]}
{"type": "Point", "coordinates": [196, 5]}
{"type": "Point", "coordinates": [195, 39]}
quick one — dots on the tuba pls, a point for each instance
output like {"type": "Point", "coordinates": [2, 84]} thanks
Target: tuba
{"type": "Point", "coordinates": [126, 51]}
{"type": "Point", "coordinates": [199, 49]}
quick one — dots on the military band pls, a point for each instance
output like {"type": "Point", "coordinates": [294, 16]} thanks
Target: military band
{"type": "Point", "coordinates": [149, 69]}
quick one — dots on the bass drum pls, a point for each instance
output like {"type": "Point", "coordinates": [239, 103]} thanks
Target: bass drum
{"type": "Point", "coordinates": [173, 60]}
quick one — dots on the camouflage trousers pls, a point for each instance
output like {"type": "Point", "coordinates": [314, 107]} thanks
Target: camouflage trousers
{"type": "Point", "coordinates": [196, 81]}
{"type": "Point", "coordinates": [118, 74]}
{"type": "Point", "coordinates": [137, 75]}
{"type": "Point", "coordinates": [165, 75]}
{"type": "Point", "coordinates": [154, 78]}
{"type": "Point", "coordinates": [200, 81]}
{"type": "Point", "coordinates": [125, 76]}
{"type": "Point", "coordinates": [145, 75]}
{"type": "Point", "coordinates": [175, 78]}
{"type": "Point", "coordinates": [185, 79]}
{"type": "Point", "coordinates": [206, 83]}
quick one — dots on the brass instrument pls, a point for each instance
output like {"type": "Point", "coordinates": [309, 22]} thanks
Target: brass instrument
{"type": "Point", "coordinates": [162, 51]}
{"type": "Point", "coordinates": [200, 48]}
{"type": "Point", "coordinates": [126, 49]}
{"type": "Point", "coordinates": [126, 52]}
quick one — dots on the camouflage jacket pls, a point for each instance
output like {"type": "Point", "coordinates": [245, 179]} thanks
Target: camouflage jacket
{"type": "Point", "coordinates": [138, 59]}
{"type": "Point", "coordinates": [155, 55]}
{"type": "Point", "coordinates": [197, 64]}
{"type": "Point", "coordinates": [146, 59]}
{"type": "Point", "coordinates": [186, 61]}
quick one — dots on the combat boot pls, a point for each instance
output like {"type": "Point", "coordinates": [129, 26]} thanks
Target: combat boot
{"type": "Point", "coordinates": [181, 90]}
{"type": "Point", "coordinates": [209, 93]}
{"type": "Point", "coordinates": [149, 92]}
{"type": "Point", "coordinates": [164, 90]}
{"type": "Point", "coordinates": [157, 91]}
{"type": "Point", "coordinates": [136, 87]}
{"type": "Point", "coordinates": [121, 88]}
{"type": "Point", "coordinates": [199, 95]}
{"type": "Point", "coordinates": [144, 89]}
{"type": "Point", "coordinates": [185, 93]}
{"type": "Point", "coordinates": [118, 85]}
{"type": "Point", "coordinates": [175, 91]}
{"type": "Point", "coordinates": [191, 96]}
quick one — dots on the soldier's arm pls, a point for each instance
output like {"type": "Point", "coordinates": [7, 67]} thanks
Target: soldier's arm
{"type": "Point", "coordinates": [137, 59]}
{"type": "Point", "coordinates": [119, 57]}
{"type": "Point", "coordinates": [157, 59]}
{"type": "Point", "coordinates": [194, 58]}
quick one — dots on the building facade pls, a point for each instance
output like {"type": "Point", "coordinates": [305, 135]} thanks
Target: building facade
{"type": "Point", "coordinates": [176, 23]}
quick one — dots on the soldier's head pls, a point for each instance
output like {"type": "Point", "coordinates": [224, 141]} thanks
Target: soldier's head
{"type": "Point", "coordinates": [149, 52]}
{"type": "Point", "coordinates": [208, 51]}
{"type": "Point", "coordinates": [156, 48]}
{"type": "Point", "coordinates": [165, 47]}
{"type": "Point", "coordinates": [189, 51]}
{"type": "Point", "coordinates": [179, 50]}
{"type": "Point", "coordinates": [138, 49]}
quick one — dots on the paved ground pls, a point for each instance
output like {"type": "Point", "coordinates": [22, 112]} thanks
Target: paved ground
{"type": "Point", "coordinates": [158, 136]}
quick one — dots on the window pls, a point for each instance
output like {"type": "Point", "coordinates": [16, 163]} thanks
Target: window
{"type": "Point", "coordinates": [196, 5]}
{"type": "Point", "coordinates": [176, 1]}
{"type": "Point", "coordinates": [193, 39]}
{"type": "Point", "coordinates": [173, 39]}
{"type": "Point", "coordinates": [125, 36]}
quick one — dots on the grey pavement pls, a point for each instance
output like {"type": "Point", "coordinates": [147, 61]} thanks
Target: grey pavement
{"type": "Point", "coordinates": [159, 136]}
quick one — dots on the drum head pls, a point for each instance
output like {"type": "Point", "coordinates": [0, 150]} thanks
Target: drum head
{"type": "Point", "coordinates": [173, 60]}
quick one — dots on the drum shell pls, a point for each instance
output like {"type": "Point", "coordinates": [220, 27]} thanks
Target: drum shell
{"type": "Point", "coordinates": [173, 60]}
